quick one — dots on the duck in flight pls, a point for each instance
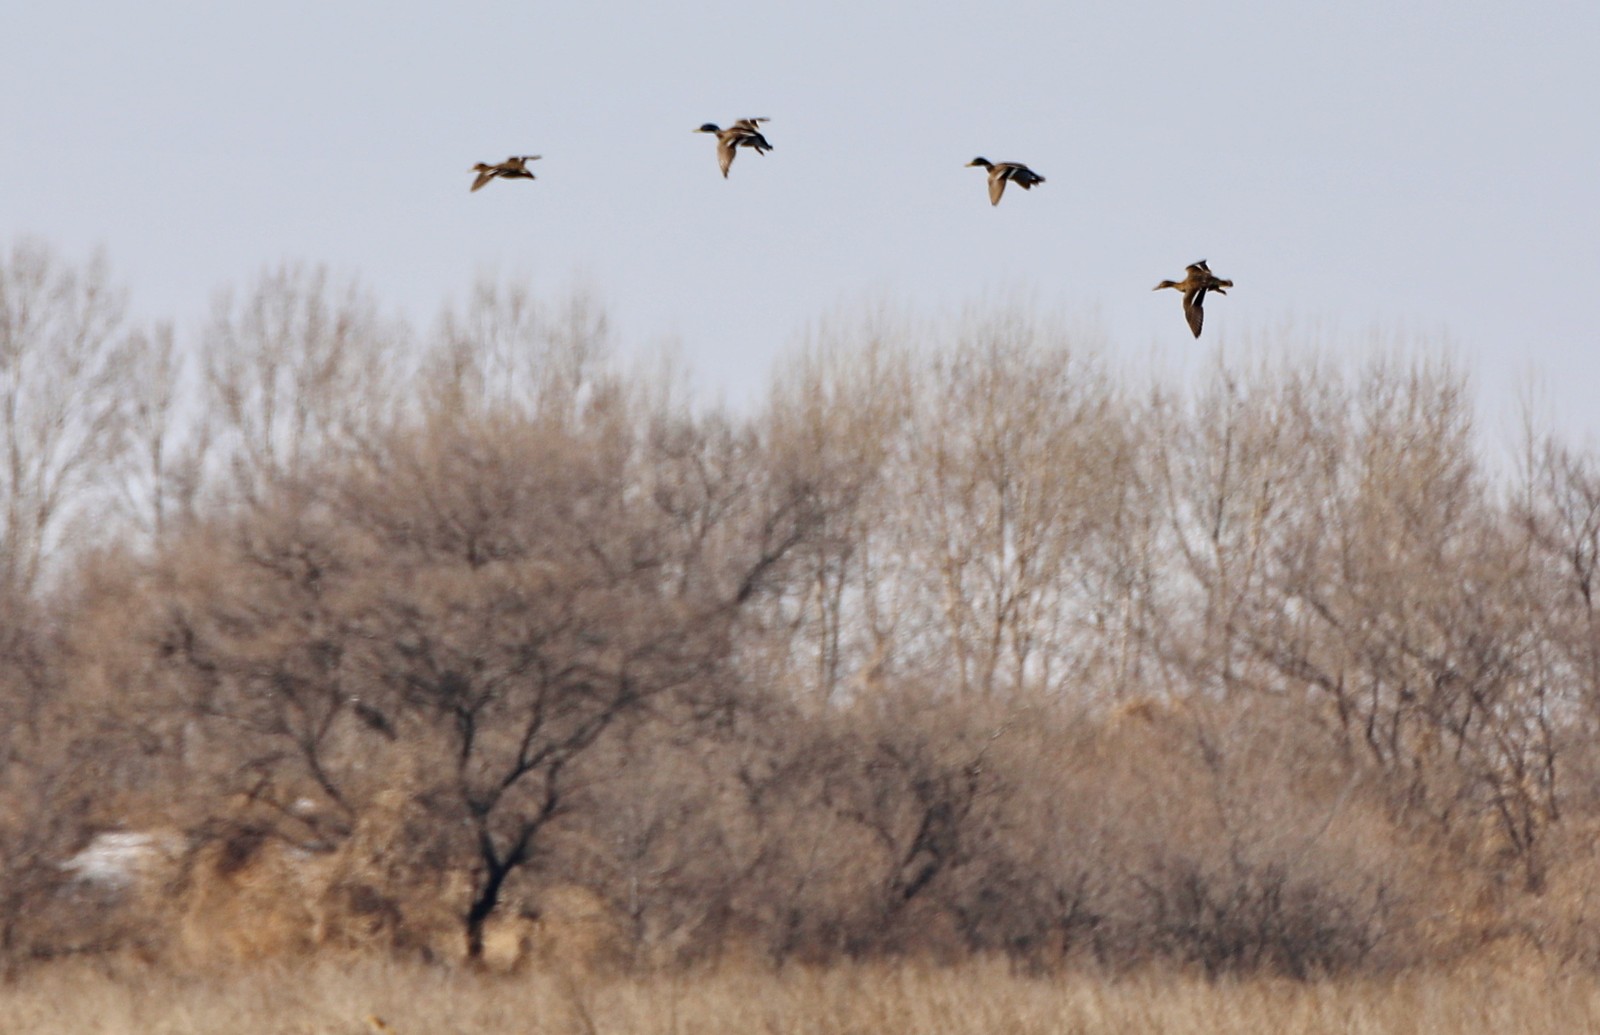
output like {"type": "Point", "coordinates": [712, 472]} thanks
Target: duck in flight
{"type": "Point", "coordinates": [1194, 286]}
{"type": "Point", "coordinates": [744, 133]}
{"type": "Point", "coordinates": [513, 168]}
{"type": "Point", "coordinates": [1000, 172]}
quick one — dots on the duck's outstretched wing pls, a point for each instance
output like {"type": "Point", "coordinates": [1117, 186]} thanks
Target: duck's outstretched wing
{"type": "Point", "coordinates": [1194, 309]}
{"type": "Point", "coordinates": [1025, 177]}
{"type": "Point", "coordinates": [997, 185]}
{"type": "Point", "coordinates": [727, 144]}
{"type": "Point", "coordinates": [485, 174]}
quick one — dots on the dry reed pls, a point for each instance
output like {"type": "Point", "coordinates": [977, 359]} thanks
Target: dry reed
{"type": "Point", "coordinates": [987, 998]}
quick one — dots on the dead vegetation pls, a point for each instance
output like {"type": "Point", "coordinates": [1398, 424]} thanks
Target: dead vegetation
{"type": "Point", "coordinates": [476, 647]}
{"type": "Point", "coordinates": [359, 998]}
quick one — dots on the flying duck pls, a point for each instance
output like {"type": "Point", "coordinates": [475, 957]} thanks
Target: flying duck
{"type": "Point", "coordinates": [744, 133]}
{"type": "Point", "coordinates": [513, 168]}
{"type": "Point", "coordinates": [1000, 172]}
{"type": "Point", "coordinates": [1200, 279]}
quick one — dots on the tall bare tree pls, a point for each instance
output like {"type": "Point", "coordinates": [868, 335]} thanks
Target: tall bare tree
{"type": "Point", "coordinates": [508, 351]}
{"type": "Point", "coordinates": [1017, 466]}
{"type": "Point", "coordinates": [65, 364]}
{"type": "Point", "coordinates": [294, 370]}
{"type": "Point", "coordinates": [838, 419]}
{"type": "Point", "coordinates": [477, 602]}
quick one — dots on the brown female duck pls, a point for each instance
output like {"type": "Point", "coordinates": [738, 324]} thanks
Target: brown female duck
{"type": "Point", "coordinates": [513, 168]}
{"type": "Point", "coordinates": [1194, 286]}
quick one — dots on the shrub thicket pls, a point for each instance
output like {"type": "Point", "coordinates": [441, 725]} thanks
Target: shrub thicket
{"type": "Point", "coordinates": [477, 645]}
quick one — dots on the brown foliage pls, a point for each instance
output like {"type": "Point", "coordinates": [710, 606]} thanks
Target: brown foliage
{"type": "Point", "coordinates": [956, 648]}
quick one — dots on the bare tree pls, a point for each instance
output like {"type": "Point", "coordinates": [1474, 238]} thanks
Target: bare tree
{"type": "Point", "coordinates": [168, 445]}
{"type": "Point", "coordinates": [1017, 466]}
{"type": "Point", "coordinates": [479, 603]}
{"type": "Point", "coordinates": [837, 417]}
{"type": "Point", "coordinates": [508, 352]}
{"type": "Point", "coordinates": [294, 371]}
{"type": "Point", "coordinates": [65, 364]}
{"type": "Point", "coordinates": [1348, 546]}
{"type": "Point", "coordinates": [1559, 513]}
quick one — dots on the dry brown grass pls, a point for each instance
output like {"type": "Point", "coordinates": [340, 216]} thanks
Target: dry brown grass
{"type": "Point", "coordinates": [338, 999]}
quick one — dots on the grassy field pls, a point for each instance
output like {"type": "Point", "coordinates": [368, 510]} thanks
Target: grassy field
{"type": "Point", "coordinates": [330, 999]}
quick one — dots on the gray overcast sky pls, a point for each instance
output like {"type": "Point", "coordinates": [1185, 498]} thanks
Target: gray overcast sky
{"type": "Point", "coordinates": [1423, 167]}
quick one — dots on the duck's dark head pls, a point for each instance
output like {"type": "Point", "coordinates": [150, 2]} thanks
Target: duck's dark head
{"type": "Point", "coordinates": [709, 127]}
{"type": "Point", "coordinates": [980, 160]}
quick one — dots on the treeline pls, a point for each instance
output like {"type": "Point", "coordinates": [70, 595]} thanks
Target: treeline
{"type": "Point", "coordinates": [326, 633]}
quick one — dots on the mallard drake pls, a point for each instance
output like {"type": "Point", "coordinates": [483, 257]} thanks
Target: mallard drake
{"type": "Point", "coordinates": [1000, 172]}
{"type": "Point", "coordinates": [513, 168]}
{"type": "Point", "coordinates": [744, 133]}
{"type": "Point", "coordinates": [1200, 279]}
